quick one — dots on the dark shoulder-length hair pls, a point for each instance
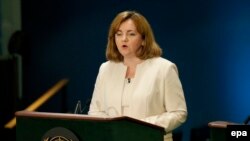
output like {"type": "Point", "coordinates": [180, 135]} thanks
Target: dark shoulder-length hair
{"type": "Point", "coordinates": [148, 50]}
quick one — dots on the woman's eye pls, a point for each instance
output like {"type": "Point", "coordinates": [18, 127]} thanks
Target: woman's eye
{"type": "Point", "coordinates": [132, 34]}
{"type": "Point", "coordinates": [118, 34]}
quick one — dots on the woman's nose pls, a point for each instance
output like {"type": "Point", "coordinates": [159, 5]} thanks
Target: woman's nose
{"type": "Point", "coordinates": [124, 38]}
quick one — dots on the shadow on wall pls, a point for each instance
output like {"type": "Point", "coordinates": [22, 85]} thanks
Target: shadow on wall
{"type": "Point", "coordinates": [11, 82]}
{"type": "Point", "coordinates": [201, 133]}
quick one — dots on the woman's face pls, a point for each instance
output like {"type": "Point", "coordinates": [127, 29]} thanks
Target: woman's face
{"type": "Point", "coordinates": [128, 40]}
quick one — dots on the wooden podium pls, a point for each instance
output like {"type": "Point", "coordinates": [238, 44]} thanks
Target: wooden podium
{"type": "Point", "coordinates": [218, 130]}
{"type": "Point", "coordinates": [34, 126]}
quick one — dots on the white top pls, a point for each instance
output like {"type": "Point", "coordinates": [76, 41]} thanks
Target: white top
{"type": "Point", "coordinates": [154, 95]}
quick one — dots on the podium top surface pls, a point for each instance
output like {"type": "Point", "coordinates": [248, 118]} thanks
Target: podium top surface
{"type": "Point", "coordinates": [220, 124]}
{"type": "Point", "coordinates": [50, 115]}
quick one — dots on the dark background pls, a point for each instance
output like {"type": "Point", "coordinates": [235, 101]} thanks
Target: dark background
{"type": "Point", "coordinates": [208, 40]}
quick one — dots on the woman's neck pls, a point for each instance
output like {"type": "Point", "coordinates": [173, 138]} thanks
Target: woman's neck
{"type": "Point", "coordinates": [131, 64]}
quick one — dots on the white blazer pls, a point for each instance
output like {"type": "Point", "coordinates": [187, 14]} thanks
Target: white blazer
{"type": "Point", "coordinates": [155, 94]}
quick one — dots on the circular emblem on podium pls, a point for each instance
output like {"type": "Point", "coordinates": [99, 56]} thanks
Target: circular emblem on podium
{"type": "Point", "coordinates": [59, 134]}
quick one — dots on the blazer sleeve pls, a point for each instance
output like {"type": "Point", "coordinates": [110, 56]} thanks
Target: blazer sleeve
{"type": "Point", "coordinates": [174, 102]}
{"type": "Point", "coordinates": [97, 107]}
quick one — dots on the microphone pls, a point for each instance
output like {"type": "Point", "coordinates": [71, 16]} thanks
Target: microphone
{"type": "Point", "coordinates": [79, 109]}
{"type": "Point", "coordinates": [247, 120]}
{"type": "Point", "coordinates": [129, 80]}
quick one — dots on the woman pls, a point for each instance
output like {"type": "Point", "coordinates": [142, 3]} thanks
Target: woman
{"type": "Point", "coordinates": [136, 81]}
